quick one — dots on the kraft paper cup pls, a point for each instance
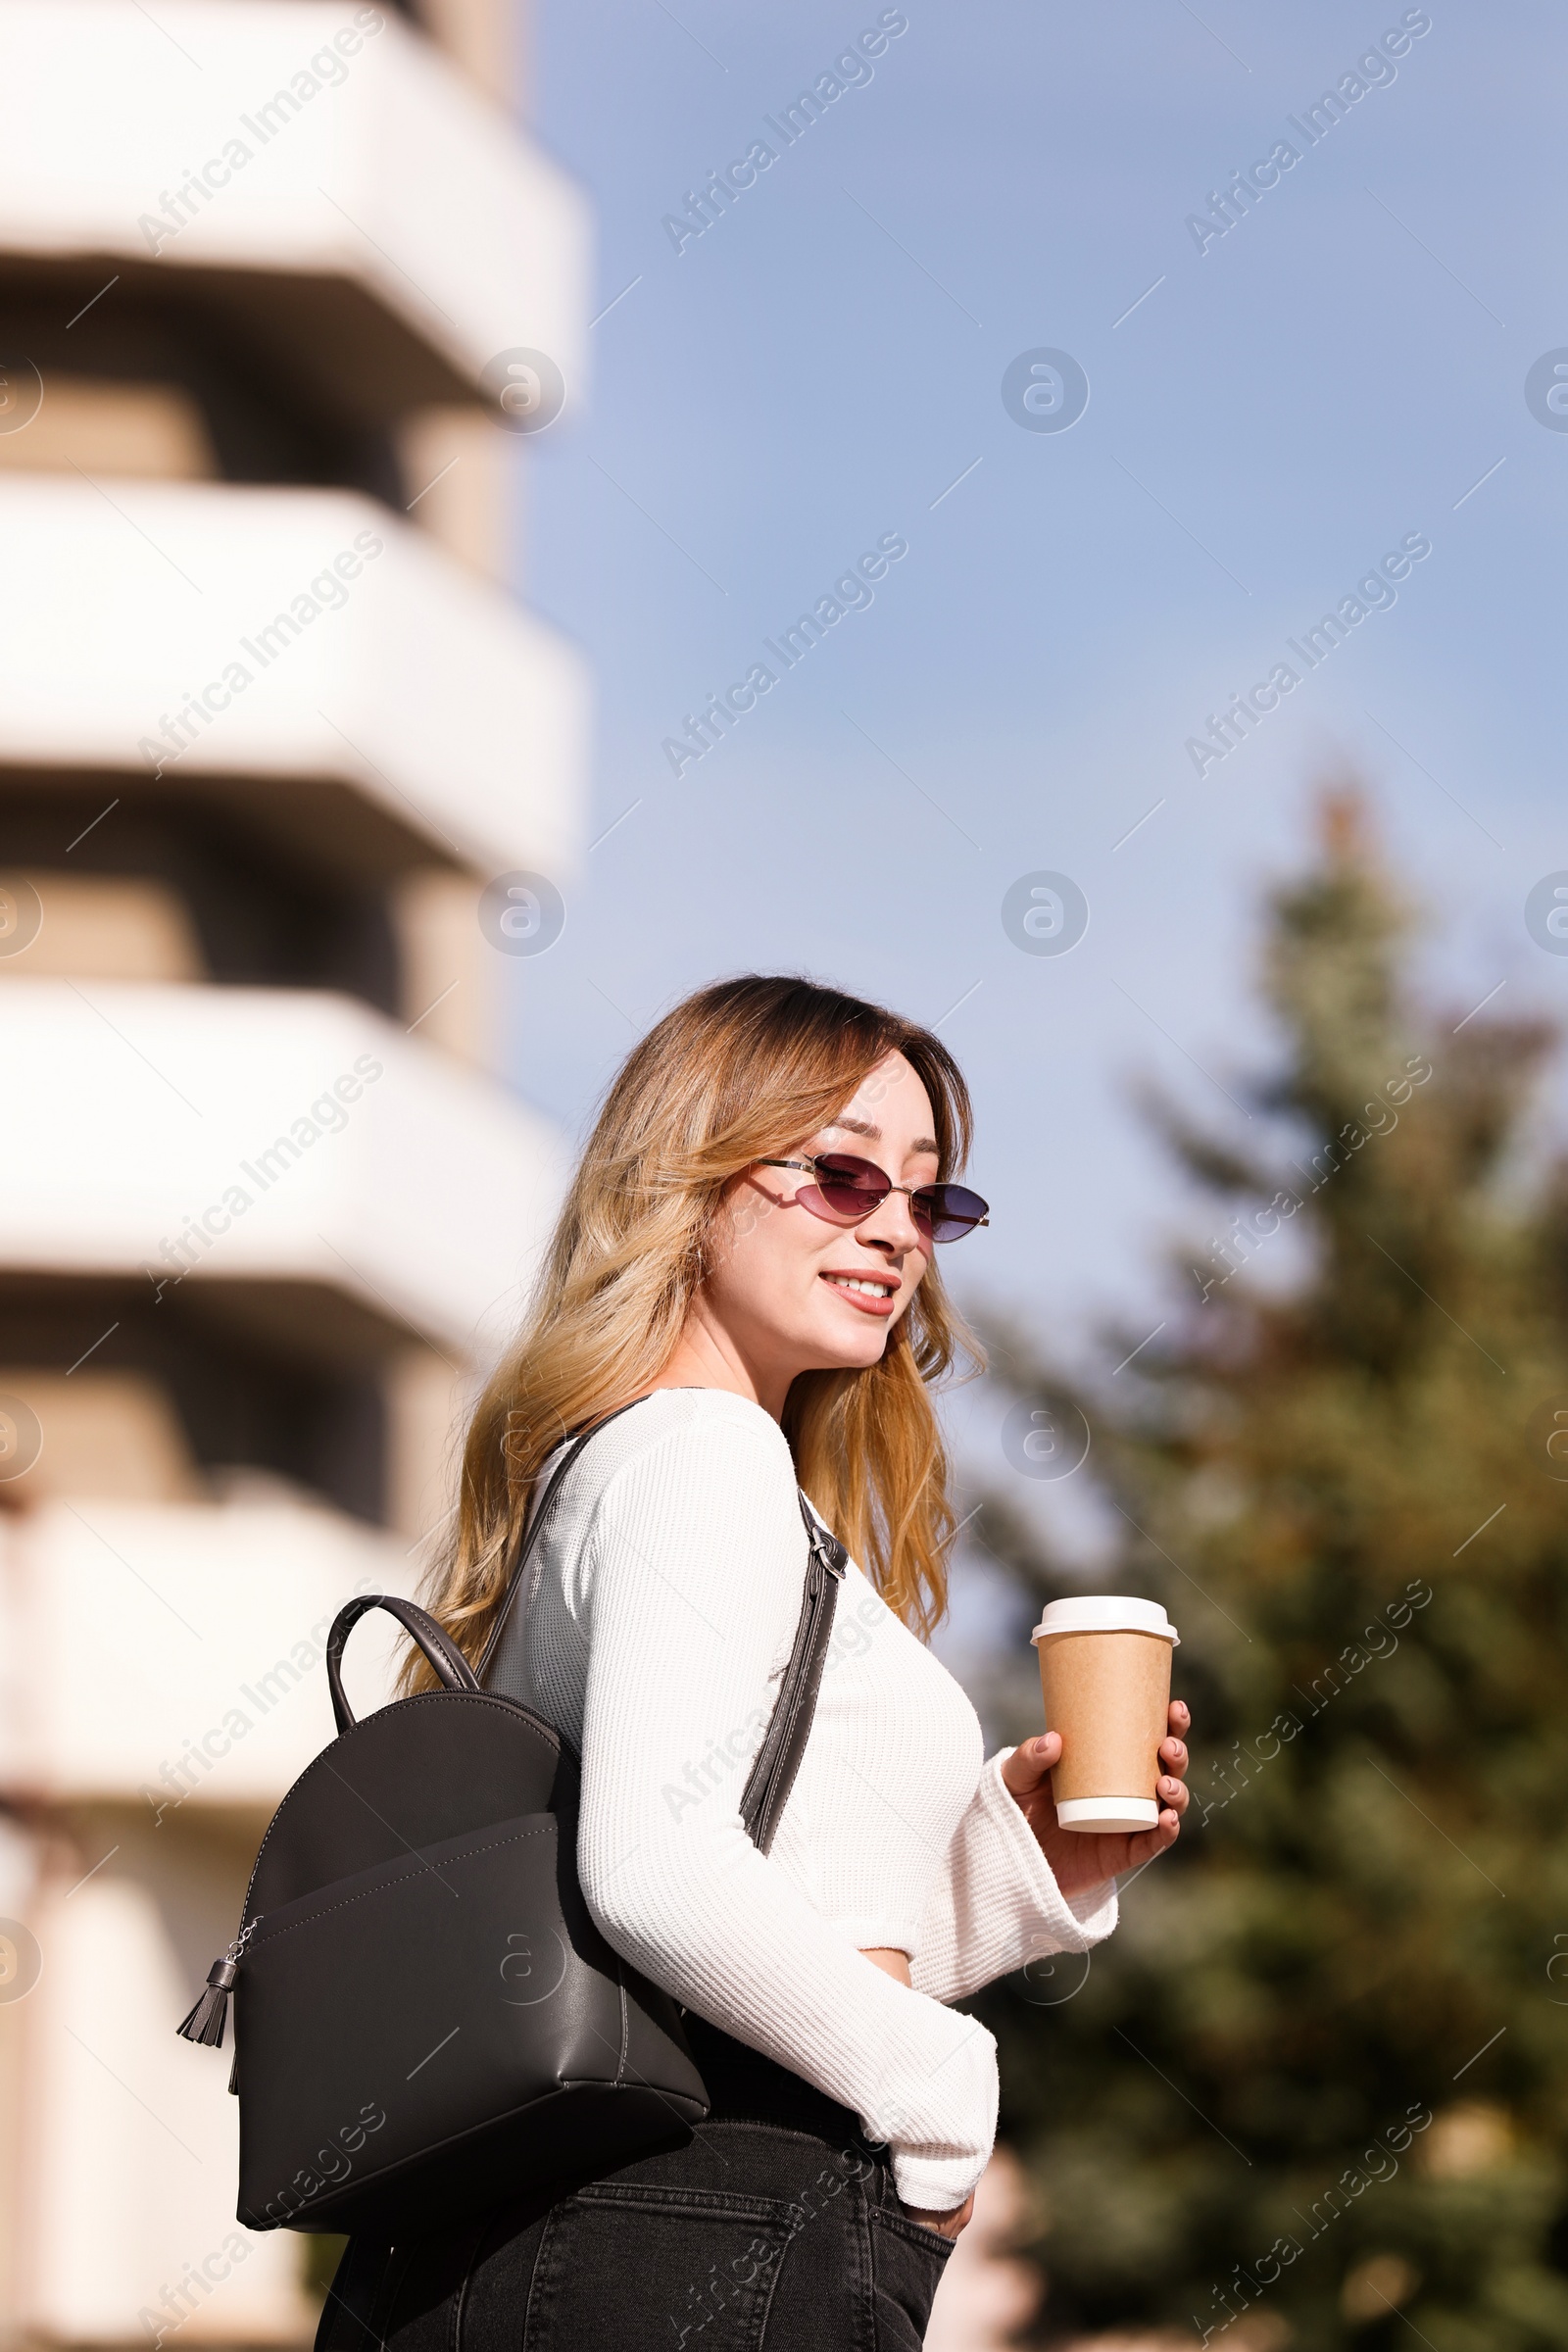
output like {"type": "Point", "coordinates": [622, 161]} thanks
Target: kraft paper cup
{"type": "Point", "coordinates": [1104, 1675]}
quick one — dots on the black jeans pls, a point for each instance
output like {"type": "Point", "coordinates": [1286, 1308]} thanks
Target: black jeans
{"type": "Point", "coordinates": [778, 2230]}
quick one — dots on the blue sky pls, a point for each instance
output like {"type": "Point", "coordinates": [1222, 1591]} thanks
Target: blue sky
{"type": "Point", "coordinates": [1335, 373]}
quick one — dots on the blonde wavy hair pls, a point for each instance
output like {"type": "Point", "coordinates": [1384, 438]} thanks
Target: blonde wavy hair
{"type": "Point", "coordinates": [743, 1070]}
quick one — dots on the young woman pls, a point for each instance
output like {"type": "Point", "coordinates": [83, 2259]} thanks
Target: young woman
{"type": "Point", "coordinates": [748, 1250]}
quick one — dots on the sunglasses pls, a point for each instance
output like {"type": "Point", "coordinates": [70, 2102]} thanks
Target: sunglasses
{"type": "Point", "coordinates": [847, 1189]}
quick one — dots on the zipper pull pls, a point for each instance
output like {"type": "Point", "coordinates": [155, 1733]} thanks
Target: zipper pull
{"type": "Point", "coordinates": [206, 2021]}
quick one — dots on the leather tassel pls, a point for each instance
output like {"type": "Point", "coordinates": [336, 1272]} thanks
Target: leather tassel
{"type": "Point", "coordinates": [207, 2020]}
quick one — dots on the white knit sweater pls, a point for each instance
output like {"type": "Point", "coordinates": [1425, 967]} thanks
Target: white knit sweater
{"type": "Point", "coordinates": [662, 1602]}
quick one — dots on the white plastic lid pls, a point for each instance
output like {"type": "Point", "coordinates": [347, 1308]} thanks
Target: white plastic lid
{"type": "Point", "coordinates": [1106, 1613]}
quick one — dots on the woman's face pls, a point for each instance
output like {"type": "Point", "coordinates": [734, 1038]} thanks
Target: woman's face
{"type": "Point", "coordinates": [800, 1292]}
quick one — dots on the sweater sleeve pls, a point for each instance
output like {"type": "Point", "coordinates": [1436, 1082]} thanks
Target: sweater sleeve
{"type": "Point", "coordinates": [997, 1904]}
{"type": "Point", "coordinates": [697, 1563]}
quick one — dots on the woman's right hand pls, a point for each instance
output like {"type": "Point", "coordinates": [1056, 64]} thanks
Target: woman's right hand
{"type": "Point", "coordinates": [946, 2224]}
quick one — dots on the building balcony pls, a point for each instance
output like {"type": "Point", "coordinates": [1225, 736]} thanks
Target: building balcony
{"type": "Point", "coordinates": [281, 1167]}
{"type": "Point", "coordinates": [317, 182]}
{"type": "Point", "coordinates": [299, 657]}
{"type": "Point", "coordinates": [162, 1686]}
{"type": "Point", "coordinates": [188, 1643]}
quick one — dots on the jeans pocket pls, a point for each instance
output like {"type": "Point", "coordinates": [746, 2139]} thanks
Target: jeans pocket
{"type": "Point", "coordinates": [907, 2260]}
{"type": "Point", "coordinates": [629, 2266]}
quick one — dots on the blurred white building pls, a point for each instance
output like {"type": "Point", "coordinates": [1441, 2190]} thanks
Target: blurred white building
{"type": "Point", "coordinates": [268, 725]}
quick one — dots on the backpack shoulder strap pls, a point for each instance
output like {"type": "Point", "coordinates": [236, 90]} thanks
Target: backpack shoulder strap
{"type": "Point", "coordinates": [540, 1513]}
{"type": "Point", "coordinates": [778, 1760]}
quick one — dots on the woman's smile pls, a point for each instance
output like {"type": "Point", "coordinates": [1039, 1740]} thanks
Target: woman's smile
{"type": "Point", "coordinates": [869, 1294]}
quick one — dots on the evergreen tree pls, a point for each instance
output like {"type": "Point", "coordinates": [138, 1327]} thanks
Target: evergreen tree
{"type": "Point", "coordinates": [1315, 2091]}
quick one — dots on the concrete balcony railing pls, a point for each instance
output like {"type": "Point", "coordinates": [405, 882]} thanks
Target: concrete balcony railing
{"type": "Point", "coordinates": [185, 1646]}
{"type": "Point", "coordinates": [300, 653]}
{"type": "Point", "coordinates": [317, 174]}
{"type": "Point", "coordinates": [162, 1685]}
{"type": "Point", "coordinates": [308, 1166]}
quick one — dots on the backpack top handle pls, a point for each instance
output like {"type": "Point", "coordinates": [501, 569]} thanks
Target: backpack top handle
{"type": "Point", "coordinates": [445, 1659]}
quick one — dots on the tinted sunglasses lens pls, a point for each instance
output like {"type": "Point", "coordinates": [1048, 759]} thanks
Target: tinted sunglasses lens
{"type": "Point", "coordinates": [850, 1187]}
{"type": "Point", "coordinates": [948, 1211]}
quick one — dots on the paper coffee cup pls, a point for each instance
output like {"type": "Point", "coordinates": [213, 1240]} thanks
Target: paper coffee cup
{"type": "Point", "coordinates": [1104, 1675]}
